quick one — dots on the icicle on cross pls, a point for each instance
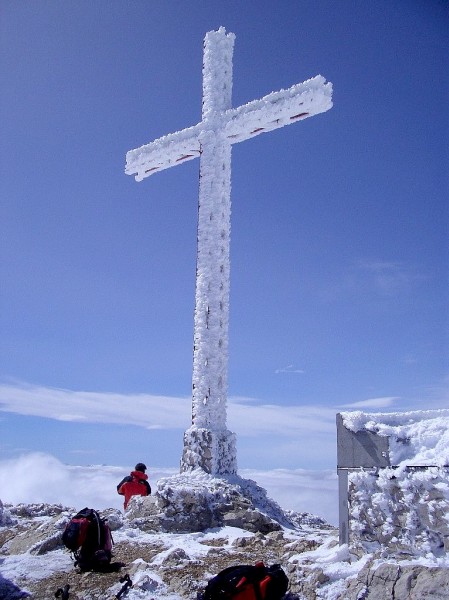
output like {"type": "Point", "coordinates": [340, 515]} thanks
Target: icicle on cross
{"type": "Point", "coordinates": [208, 444]}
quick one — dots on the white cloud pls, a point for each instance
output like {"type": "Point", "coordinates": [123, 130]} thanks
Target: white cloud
{"type": "Point", "coordinates": [243, 400]}
{"type": "Point", "coordinates": [388, 278]}
{"type": "Point", "coordinates": [267, 435]}
{"type": "Point", "coordinates": [40, 477]}
{"type": "Point", "coordinates": [270, 435]}
{"type": "Point", "coordinates": [383, 402]}
{"type": "Point", "coordinates": [289, 369]}
{"type": "Point", "coordinates": [160, 412]}
{"type": "Point", "coordinates": [153, 412]}
{"type": "Point", "coordinates": [301, 490]}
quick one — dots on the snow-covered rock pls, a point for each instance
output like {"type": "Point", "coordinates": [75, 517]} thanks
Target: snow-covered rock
{"type": "Point", "coordinates": [170, 544]}
{"type": "Point", "coordinates": [401, 582]}
{"type": "Point", "coordinates": [197, 501]}
{"type": "Point", "coordinates": [175, 566]}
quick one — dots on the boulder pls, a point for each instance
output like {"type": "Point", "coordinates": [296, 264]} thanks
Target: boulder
{"type": "Point", "coordinates": [38, 538]}
{"type": "Point", "coordinates": [399, 582]}
{"type": "Point", "coordinates": [196, 501]}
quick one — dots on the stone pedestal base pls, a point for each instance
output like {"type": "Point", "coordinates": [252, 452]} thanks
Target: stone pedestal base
{"type": "Point", "coordinates": [212, 451]}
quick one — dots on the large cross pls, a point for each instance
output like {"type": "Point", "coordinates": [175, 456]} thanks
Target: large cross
{"type": "Point", "coordinates": [208, 444]}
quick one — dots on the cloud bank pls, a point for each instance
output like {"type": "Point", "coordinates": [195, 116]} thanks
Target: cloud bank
{"type": "Point", "coordinates": [46, 479]}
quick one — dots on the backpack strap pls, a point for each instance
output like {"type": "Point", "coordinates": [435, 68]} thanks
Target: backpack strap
{"type": "Point", "coordinates": [257, 575]}
{"type": "Point", "coordinates": [96, 519]}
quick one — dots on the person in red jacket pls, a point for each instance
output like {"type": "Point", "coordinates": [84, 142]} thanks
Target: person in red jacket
{"type": "Point", "coordinates": [134, 484]}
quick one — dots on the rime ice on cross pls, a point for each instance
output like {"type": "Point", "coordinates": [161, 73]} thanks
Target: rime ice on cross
{"type": "Point", "coordinates": [208, 444]}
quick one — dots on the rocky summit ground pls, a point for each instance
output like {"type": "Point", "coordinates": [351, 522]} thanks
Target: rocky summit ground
{"type": "Point", "coordinates": [172, 565]}
{"type": "Point", "coordinates": [35, 563]}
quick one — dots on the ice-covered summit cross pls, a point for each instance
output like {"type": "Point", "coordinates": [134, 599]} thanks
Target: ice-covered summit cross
{"type": "Point", "coordinates": [208, 444]}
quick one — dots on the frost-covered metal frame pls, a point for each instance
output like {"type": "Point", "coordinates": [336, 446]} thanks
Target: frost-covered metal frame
{"type": "Point", "coordinates": [208, 444]}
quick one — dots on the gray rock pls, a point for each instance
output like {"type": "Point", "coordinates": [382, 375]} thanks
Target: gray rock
{"type": "Point", "coordinates": [196, 501]}
{"type": "Point", "coordinates": [175, 558]}
{"type": "Point", "coordinates": [38, 538]}
{"type": "Point", "coordinates": [5, 516]}
{"type": "Point", "coordinates": [398, 582]}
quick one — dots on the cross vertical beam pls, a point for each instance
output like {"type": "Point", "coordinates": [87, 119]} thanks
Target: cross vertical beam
{"type": "Point", "coordinates": [211, 322]}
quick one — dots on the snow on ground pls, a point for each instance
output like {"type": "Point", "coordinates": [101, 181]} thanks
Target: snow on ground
{"type": "Point", "coordinates": [335, 561]}
{"type": "Point", "coordinates": [416, 438]}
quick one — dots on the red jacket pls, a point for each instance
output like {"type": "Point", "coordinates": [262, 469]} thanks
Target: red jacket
{"type": "Point", "coordinates": [135, 484]}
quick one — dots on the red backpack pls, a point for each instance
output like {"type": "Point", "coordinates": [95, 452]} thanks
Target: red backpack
{"type": "Point", "coordinates": [89, 537]}
{"type": "Point", "coordinates": [247, 582]}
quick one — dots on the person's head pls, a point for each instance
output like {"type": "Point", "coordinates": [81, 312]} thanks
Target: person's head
{"type": "Point", "coordinates": [141, 467]}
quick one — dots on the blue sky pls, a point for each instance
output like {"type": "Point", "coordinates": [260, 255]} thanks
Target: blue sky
{"type": "Point", "coordinates": [339, 260]}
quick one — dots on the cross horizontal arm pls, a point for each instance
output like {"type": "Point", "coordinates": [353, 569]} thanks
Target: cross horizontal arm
{"type": "Point", "coordinates": [278, 109]}
{"type": "Point", "coordinates": [164, 152]}
{"type": "Point", "coordinates": [275, 110]}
